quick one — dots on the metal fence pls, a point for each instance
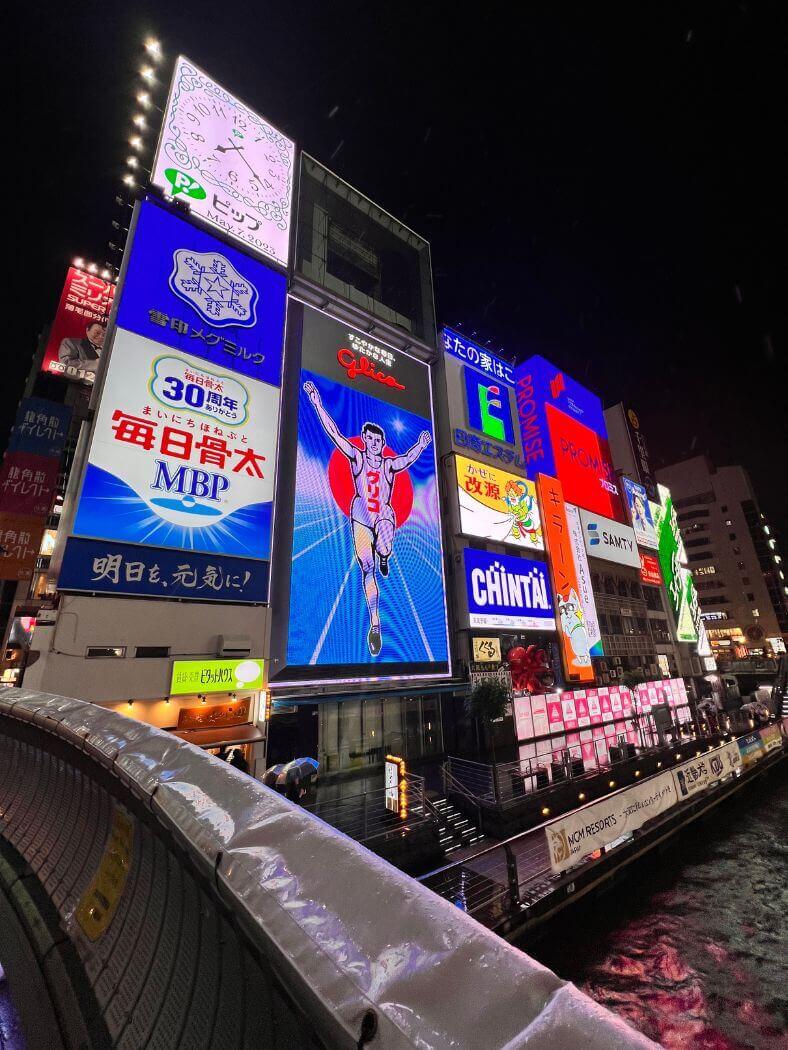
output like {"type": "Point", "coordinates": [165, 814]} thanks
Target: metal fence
{"type": "Point", "coordinates": [364, 816]}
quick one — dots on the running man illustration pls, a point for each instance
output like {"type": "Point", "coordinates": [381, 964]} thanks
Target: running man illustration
{"type": "Point", "coordinates": [371, 515]}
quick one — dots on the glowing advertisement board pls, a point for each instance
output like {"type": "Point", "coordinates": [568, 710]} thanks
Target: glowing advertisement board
{"type": "Point", "coordinates": [186, 289]}
{"type": "Point", "coordinates": [609, 540]}
{"type": "Point", "coordinates": [366, 590]}
{"type": "Point", "coordinates": [585, 590]}
{"type": "Point", "coordinates": [677, 579]}
{"type": "Point", "coordinates": [503, 591]}
{"type": "Point", "coordinates": [182, 457]}
{"type": "Point", "coordinates": [649, 570]}
{"type": "Point", "coordinates": [215, 676]}
{"type": "Point", "coordinates": [233, 168]}
{"type": "Point", "coordinates": [498, 506]}
{"type": "Point", "coordinates": [574, 635]}
{"type": "Point", "coordinates": [640, 514]}
{"type": "Point", "coordinates": [40, 428]}
{"type": "Point", "coordinates": [469, 353]}
{"type": "Point", "coordinates": [76, 338]}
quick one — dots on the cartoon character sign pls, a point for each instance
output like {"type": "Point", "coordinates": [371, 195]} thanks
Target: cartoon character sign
{"type": "Point", "coordinates": [525, 513]}
{"type": "Point", "coordinates": [496, 505]}
{"type": "Point", "coordinates": [573, 627]}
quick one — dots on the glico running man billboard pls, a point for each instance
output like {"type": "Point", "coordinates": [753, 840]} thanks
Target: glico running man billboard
{"type": "Point", "coordinates": [562, 427]}
{"type": "Point", "coordinates": [365, 596]}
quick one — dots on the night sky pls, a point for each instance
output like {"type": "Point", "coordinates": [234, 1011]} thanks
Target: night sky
{"type": "Point", "coordinates": [608, 190]}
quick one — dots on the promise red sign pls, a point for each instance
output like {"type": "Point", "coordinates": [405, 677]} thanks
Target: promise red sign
{"type": "Point", "coordinates": [76, 338]}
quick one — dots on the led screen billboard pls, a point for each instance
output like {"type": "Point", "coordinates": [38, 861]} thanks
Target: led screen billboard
{"type": "Point", "coordinates": [498, 506]}
{"type": "Point", "coordinates": [678, 580]}
{"type": "Point", "coordinates": [365, 590]}
{"type": "Point", "coordinates": [232, 167]}
{"type": "Point", "coordinates": [583, 573]}
{"type": "Point", "coordinates": [468, 352]}
{"type": "Point", "coordinates": [562, 428]}
{"type": "Point", "coordinates": [640, 513]}
{"type": "Point", "coordinates": [186, 289]}
{"type": "Point", "coordinates": [40, 428]}
{"type": "Point", "coordinates": [182, 456]}
{"type": "Point", "coordinates": [503, 591]}
{"type": "Point", "coordinates": [576, 639]}
{"type": "Point", "coordinates": [76, 339]}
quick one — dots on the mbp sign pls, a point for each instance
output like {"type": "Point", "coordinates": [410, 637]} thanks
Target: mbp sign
{"type": "Point", "coordinates": [507, 592]}
{"type": "Point", "coordinates": [609, 540]}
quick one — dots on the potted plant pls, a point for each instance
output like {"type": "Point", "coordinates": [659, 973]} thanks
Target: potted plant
{"type": "Point", "coordinates": [486, 704]}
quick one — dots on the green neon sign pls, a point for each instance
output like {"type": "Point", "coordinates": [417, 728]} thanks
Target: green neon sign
{"type": "Point", "coordinates": [215, 676]}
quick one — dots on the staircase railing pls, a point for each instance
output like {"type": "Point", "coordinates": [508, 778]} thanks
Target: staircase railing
{"type": "Point", "coordinates": [364, 816]}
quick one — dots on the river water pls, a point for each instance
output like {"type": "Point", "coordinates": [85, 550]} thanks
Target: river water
{"type": "Point", "coordinates": [693, 949]}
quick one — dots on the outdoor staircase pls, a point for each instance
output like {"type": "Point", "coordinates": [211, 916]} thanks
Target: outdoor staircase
{"type": "Point", "coordinates": [455, 830]}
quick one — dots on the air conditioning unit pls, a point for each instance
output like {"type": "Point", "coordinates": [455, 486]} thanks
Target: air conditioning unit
{"type": "Point", "coordinates": [234, 645]}
{"type": "Point", "coordinates": [613, 673]}
{"type": "Point", "coordinates": [617, 661]}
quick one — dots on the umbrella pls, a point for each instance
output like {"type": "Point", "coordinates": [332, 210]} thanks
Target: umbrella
{"type": "Point", "coordinates": [270, 776]}
{"type": "Point", "coordinates": [297, 770]}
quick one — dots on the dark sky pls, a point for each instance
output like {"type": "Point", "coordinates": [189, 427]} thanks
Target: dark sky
{"type": "Point", "coordinates": [605, 187]}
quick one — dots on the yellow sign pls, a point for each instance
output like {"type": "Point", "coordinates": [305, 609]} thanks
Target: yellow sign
{"type": "Point", "coordinates": [496, 505]}
{"type": "Point", "coordinates": [486, 650]}
{"type": "Point", "coordinates": [100, 900]}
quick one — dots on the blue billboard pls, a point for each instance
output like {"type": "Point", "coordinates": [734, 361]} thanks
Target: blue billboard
{"type": "Point", "coordinates": [470, 354]}
{"type": "Point", "coordinates": [489, 410]}
{"type": "Point", "coordinates": [99, 567]}
{"type": "Point", "coordinates": [190, 291]}
{"type": "Point", "coordinates": [507, 592]}
{"type": "Point", "coordinates": [367, 597]}
{"type": "Point", "coordinates": [41, 427]}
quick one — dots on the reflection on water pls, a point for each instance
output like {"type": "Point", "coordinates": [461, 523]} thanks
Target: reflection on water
{"type": "Point", "coordinates": [693, 952]}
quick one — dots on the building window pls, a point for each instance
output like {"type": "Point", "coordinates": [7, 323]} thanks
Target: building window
{"type": "Point", "coordinates": [755, 612]}
{"type": "Point", "coordinates": [728, 521]}
{"type": "Point", "coordinates": [731, 535]}
{"type": "Point", "coordinates": [745, 580]}
{"type": "Point", "coordinates": [724, 508]}
{"type": "Point", "coordinates": [697, 543]}
{"type": "Point", "coordinates": [751, 598]}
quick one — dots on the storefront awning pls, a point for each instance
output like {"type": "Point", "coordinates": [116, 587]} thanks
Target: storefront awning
{"type": "Point", "coordinates": [226, 735]}
{"type": "Point", "coordinates": [302, 698]}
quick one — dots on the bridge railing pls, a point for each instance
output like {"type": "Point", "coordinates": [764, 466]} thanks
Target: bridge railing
{"type": "Point", "coordinates": [206, 910]}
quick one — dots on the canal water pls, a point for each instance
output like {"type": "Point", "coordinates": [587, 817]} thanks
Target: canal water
{"type": "Point", "coordinates": [693, 949]}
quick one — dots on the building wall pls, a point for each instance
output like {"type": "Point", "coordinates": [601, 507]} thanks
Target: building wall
{"type": "Point", "coordinates": [730, 553]}
{"type": "Point", "coordinates": [190, 630]}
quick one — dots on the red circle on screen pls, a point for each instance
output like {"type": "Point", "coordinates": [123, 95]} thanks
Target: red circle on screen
{"type": "Point", "coordinates": [340, 478]}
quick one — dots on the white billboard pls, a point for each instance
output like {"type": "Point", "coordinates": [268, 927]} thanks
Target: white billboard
{"type": "Point", "coordinates": [584, 580]}
{"type": "Point", "coordinates": [183, 454]}
{"type": "Point", "coordinates": [232, 167]}
{"type": "Point", "coordinates": [609, 540]}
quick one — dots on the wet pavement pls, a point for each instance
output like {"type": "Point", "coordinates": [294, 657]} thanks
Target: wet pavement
{"type": "Point", "coordinates": [693, 949]}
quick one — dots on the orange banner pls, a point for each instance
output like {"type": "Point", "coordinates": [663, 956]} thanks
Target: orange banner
{"type": "Point", "coordinates": [569, 615]}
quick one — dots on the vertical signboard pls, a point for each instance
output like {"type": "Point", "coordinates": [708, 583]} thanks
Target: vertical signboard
{"type": "Point", "coordinates": [41, 427]}
{"type": "Point", "coordinates": [640, 452]}
{"type": "Point", "coordinates": [570, 616]}
{"type": "Point", "coordinates": [177, 494]}
{"type": "Point", "coordinates": [640, 514]}
{"type": "Point", "coordinates": [20, 541]}
{"type": "Point", "coordinates": [583, 572]}
{"type": "Point", "coordinates": [496, 505]}
{"type": "Point", "coordinates": [678, 580]}
{"type": "Point", "coordinates": [363, 553]}
{"type": "Point", "coordinates": [76, 338]}
{"type": "Point", "coordinates": [232, 167]}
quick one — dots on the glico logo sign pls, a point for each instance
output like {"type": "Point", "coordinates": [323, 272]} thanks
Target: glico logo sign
{"type": "Point", "coordinates": [489, 410]}
{"type": "Point", "coordinates": [363, 368]}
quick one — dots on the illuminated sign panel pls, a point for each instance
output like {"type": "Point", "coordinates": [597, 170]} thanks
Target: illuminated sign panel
{"type": "Point", "coordinates": [189, 291]}
{"type": "Point", "coordinates": [41, 427]}
{"type": "Point", "coordinates": [215, 676]}
{"type": "Point", "coordinates": [498, 506]}
{"type": "Point", "coordinates": [563, 434]}
{"type": "Point", "coordinates": [366, 590]}
{"type": "Point", "coordinates": [507, 592]}
{"type": "Point", "coordinates": [677, 579]}
{"type": "Point", "coordinates": [182, 457]}
{"type": "Point", "coordinates": [609, 540]}
{"type": "Point", "coordinates": [583, 572]}
{"type": "Point", "coordinates": [649, 570]}
{"type": "Point", "coordinates": [489, 410]}
{"type": "Point", "coordinates": [486, 650]}
{"type": "Point", "coordinates": [76, 338]}
{"type": "Point", "coordinates": [640, 514]}
{"type": "Point", "coordinates": [232, 167]}
{"type": "Point", "coordinates": [576, 642]}
{"type": "Point", "coordinates": [469, 353]}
